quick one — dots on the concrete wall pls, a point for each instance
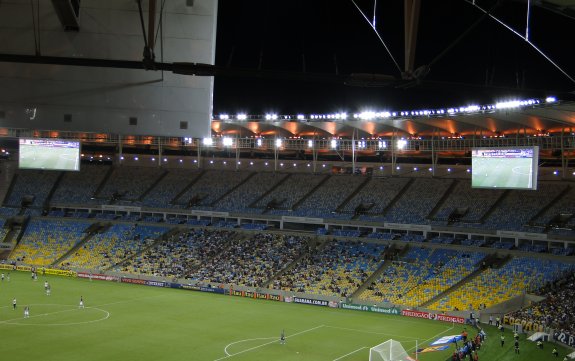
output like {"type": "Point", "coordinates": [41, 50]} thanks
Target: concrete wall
{"type": "Point", "coordinates": [104, 99]}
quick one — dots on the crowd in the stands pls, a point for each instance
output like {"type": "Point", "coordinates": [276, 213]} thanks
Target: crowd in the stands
{"type": "Point", "coordinates": [557, 311]}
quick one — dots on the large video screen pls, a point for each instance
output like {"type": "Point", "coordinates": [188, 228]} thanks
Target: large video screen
{"type": "Point", "coordinates": [505, 168]}
{"type": "Point", "coordinates": [54, 154]}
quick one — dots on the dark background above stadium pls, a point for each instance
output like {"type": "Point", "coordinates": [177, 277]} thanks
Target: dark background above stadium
{"type": "Point", "coordinates": [332, 37]}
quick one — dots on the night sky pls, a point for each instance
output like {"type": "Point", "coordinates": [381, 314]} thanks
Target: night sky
{"type": "Point", "coordinates": [331, 37]}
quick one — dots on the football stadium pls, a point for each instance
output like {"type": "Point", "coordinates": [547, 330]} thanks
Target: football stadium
{"type": "Point", "coordinates": [246, 180]}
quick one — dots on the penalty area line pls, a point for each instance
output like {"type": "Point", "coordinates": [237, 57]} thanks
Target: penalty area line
{"type": "Point", "coordinates": [267, 343]}
{"type": "Point", "coordinates": [348, 354]}
{"type": "Point", "coordinates": [246, 340]}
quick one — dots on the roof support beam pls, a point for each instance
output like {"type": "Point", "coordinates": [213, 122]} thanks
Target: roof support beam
{"type": "Point", "coordinates": [411, 14]}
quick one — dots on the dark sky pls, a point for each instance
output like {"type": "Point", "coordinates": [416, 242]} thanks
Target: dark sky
{"type": "Point", "coordinates": [331, 37]}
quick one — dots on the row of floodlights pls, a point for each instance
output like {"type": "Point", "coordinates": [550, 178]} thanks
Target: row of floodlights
{"type": "Point", "coordinates": [371, 115]}
{"type": "Point", "coordinates": [334, 143]}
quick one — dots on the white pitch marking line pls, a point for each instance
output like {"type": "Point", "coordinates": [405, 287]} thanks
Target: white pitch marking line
{"type": "Point", "coordinates": [269, 343]}
{"type": "Point", "coordinates": [9, 322]}
{"type": "Point", "coordinates": [371, 332]}
{"type": "Point", "coordinates": [246, 340]}
{"type": "Point", "coordinates": [347, 354]}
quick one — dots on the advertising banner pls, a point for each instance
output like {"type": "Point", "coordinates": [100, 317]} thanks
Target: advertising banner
{"type": "Point", "coordinates": [309, 301]}
{"type": "Point", "coordinates": [97, 276]}
{"type": "Point", "coordinates": [433, 316]}
{"type": "Point", "coordinates": [565, 338]}
{"type": "Point", "coordinates": [133, 281]}
{"type": "Point", "coordinates": [59, 272]}
{"type": "Point", "coordinates": [384, 310]}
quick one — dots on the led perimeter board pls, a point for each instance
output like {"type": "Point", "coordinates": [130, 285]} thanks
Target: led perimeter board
{"type": "Point", "coordinates": [49, 154]}
{"type": "Point", "coordinates": [505, 168]}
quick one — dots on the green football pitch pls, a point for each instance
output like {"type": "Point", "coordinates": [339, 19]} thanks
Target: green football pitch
{"type": "Point", "coordinates": [32, 157]}
{"type": "Point", "coordinates": [502, 173]}
{"type": "Point", "coordinates": [131, 322]}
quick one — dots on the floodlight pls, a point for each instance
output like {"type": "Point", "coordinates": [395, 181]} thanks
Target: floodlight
{"type": "Point", "coordinates": [228, 142]}
{"type": "Point", "coordinates": [208, 141]}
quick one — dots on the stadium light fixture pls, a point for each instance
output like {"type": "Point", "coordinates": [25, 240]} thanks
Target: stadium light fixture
{"type": "Point", "coordinates": [401, 143]}
{"type": "Point", "coordinates": [310, 143]}
{"type": "Point", "coordinates": [278, 143]}
{"type": "Point", "coordinates": [242, 116]}
{"type": "Point", "coordinates": [550, 100]}
{"type": "Point", "coordinates": [333, 143]}
{"type": "Point", "coordinates": [259, 142]}
{"type": "Point", "coordinates": [208, 142]}
{"type": "Point", "coordinates": [300, 117]}
{"type": "Point", "coordinates": [382, 144]}
{"type": "Point", "coordinates": [224, 117]}
{"type": "Point", "coordinates": [228, 142]}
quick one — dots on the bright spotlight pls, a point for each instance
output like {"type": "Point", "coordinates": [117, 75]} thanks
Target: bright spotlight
{"type": "Point", "coordinates": [228, 142]}
{"type": "Point", "coordinates": [333, 143]}
{"type": "Point", "coordinates": [242, 116]}
{"type": "Point", "coordinates": [208, 142]}
{"type": "Point", "coordinates": [278, 143]}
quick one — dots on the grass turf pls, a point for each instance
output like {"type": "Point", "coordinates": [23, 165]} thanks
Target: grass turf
{"type": "Point", "coordinates": [130, 322]}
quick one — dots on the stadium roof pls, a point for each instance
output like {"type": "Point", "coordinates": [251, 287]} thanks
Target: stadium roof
{"type": "Point", "coordinates": [537, 119]}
